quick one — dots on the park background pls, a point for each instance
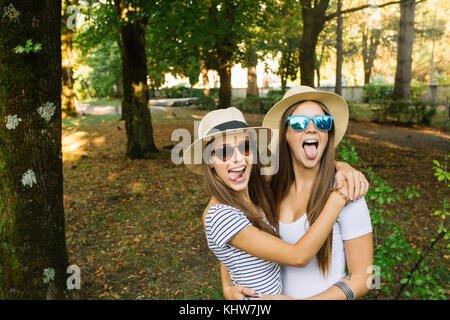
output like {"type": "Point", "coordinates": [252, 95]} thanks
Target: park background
{"type": "Point", "coordinates": [91, 92]}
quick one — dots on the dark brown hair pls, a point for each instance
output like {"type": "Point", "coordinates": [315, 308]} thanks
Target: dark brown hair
{"type": "Point", "coordinates": [284, 178]}
{"type": "Point", "coordinates": [259, 192]}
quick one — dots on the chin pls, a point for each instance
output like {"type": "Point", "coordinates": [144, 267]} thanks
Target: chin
{"type": "Point", "coordinates": [307, 163]}
{"type": "Point", "coordinates": [238, 186]}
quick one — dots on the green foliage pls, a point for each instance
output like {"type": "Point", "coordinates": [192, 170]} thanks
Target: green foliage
{"type": "Point", "coordinates": [207, 103]}
{"type": "Point", "coordinates": [387, 109]}
{"type": "Point", "coordinates": [440, 171]}
{"type": "Point", "coordinates": [29, 47]}
{"type": "Point", "coordinates": [105, 76]}
{"type": "Point", "coordinates": [275, 95]}
{"type": "Point", "coordinates": [392, 251]}
{"type": "Point", "coordinates": [377, 93]}
{"type": "Point", "coordinates": [253, 104]}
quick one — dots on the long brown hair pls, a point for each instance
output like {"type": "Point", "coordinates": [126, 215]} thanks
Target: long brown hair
{"type": "Point", "coordinates": [259, 192]}
{"type": "Point", "coordinates": [284, 178]}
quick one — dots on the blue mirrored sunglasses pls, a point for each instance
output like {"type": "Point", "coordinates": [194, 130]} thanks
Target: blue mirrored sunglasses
{"type": "Point", "coordinates": [300, 123]}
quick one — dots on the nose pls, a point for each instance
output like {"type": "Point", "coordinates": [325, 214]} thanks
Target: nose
{"type": "Point", "coordinates": [237, 155]}
{"type": "Point", "coordinates": [311, 127]}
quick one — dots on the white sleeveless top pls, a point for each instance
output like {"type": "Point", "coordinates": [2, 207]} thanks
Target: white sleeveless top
{"type": "Point", "coordinates": [304, 282]}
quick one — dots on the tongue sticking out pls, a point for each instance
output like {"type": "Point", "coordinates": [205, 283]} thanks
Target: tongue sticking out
{"type": "Point", "coordinates": [236, 175]}
{"type": "Point", "coordinates": [310, 151]}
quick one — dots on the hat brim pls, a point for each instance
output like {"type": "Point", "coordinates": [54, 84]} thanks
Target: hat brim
{"type": "Point", "coordinates": [189, 158]}
{"type": "Point", "coordinates": [336, 105]}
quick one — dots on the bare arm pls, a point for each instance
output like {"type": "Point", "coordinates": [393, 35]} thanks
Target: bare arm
{"type": "Point", "coordinates": [359, 253]}
{"type": "Point", "coordinates": [268, 247]}
{"type": "Point", "coordinates": [230, 291]}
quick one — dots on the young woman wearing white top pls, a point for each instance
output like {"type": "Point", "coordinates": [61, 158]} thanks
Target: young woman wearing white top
{"type": "Point", "coordinates": [239, 220]}
{"type": "Point", "coordinates": [301, 187]}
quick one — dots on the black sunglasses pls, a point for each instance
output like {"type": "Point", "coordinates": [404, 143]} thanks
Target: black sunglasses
{"type": "Point", "coordinates": [225, 152]}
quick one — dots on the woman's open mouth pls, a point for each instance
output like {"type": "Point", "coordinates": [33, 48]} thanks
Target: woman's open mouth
{"type": "Point", "coordinates": [311, 146]}
{"type": "Point", "coordinates": [237, 174]}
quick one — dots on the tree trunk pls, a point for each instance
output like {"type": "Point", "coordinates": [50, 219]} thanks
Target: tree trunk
{"type": "Point", "coordinates": [338, 86]}
{"type": "Point", "coordinates": [33, 256]}
{"type": "Point", "coordinates": [307, 49]}
{"type": "Point", "coordinates": [205, 78]}
{"type": "Point", "coordinates": [140, 143]}
{"type": "Point", "coordinates": [124, 75]}
{"type": "Point", "coordinates": [68, 93]}
{"type": "Point", "coordinates": [371, 40]}
{"type": "Point", "coordinates": [402, 86]}
{"type": "Point", "coordinates": [313, 22]}
{"type": "Point", "coordinates": [318, 64]}
{"type": "Point", "coordinates": [224, 70]}
{"type": "Point", "coordinates": [252, 76]}
{"type": "Point", "coordinates": [285, 65]}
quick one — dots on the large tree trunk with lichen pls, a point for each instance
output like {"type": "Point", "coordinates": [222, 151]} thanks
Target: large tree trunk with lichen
{"type": "Point", "coordinates": [68, 93]}
{"type": "Point", "coordinates": [140, 143]}
{"type": "Point", "coordinates": [33, 257]}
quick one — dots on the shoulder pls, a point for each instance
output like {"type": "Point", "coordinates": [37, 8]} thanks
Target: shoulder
{"type": "Point", "coordinates": [355, 219]}
{"type": "Point", "coordinates": [221, 209]}
{"type": "Point", "coordinates": [356, 206]}
{"type": "Point", "coordinates": [223, 222]}
{"type": "Point", "coordinates": [221, 215]}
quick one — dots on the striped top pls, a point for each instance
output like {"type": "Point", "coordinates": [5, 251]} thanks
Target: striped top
{"type": "Point", "coordinates": [222, 223]}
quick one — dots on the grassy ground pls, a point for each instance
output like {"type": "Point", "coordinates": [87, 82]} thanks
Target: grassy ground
{"type": "Point", "coordinates": [134, 226]}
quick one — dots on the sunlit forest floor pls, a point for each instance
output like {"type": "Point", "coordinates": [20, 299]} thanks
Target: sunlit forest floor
{"type": "Point", "coordinates": [134, 226]}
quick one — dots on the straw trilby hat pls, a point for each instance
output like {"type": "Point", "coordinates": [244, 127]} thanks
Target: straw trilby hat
{"type": "Point", "coordinates": [215, 123]}
{"type": "Point", "coordinates": [336, 105]}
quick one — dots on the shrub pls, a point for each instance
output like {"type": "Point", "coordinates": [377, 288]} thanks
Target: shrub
{"type": "Point", "coordinates": [253, 104]}
{"type": "Point", "coordinates": [275, 95]}
{"type": "Point", "coordinates": [392, 251]}
{"type": "Point", "coordinates": [418, 112]}
{"type": "Point", "coordinates": [206, 103]}
{"type": "Point", "coordinates": [377, 93]}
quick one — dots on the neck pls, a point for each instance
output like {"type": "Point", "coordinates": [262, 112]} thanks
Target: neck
{"type": "Point", "coordinates": [244, 195]}
{"type": "Point", "coordinates": [304, 177]}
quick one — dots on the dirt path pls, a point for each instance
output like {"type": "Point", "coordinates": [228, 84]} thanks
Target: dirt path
{"type": "Point", "coordinates": [410, 138]}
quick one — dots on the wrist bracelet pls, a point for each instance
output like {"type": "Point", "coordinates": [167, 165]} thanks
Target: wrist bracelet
{"type": "Point", "coordinates": [346, 289]}
{"type": "Point", "coordinates": [342, 195]}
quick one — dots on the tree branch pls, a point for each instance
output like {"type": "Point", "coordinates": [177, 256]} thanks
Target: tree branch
{"type": "Point", "coordinates": [419, 261]}
{"type": "Point", "coordinates": [335, 14]}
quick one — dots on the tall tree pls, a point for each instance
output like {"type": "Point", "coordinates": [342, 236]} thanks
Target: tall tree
{"type": "Point", "coordinates": [314, 17]}
{"type": "Point", "coordinates": [140, 143]}
{"type": "Point", "coordinates": [209, 30]}
{"type": "Point", "coordinates": [205, 78]}
{"type": "Point", "coordinates": [68, 93]}
{"type": "Point", "coordinates": [402, 86]}
{"type": "Point", "coordinates": [338, 86]}
{"type": "Point", "coordinates": [33, 257]}
{"type": "Point", "coordinates": [252, 76]}
{"type": "Point", "coordinates": [370, 42]}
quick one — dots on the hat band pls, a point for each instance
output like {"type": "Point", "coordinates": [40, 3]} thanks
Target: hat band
{"type": "Point", "coordinates": [227, 126]}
